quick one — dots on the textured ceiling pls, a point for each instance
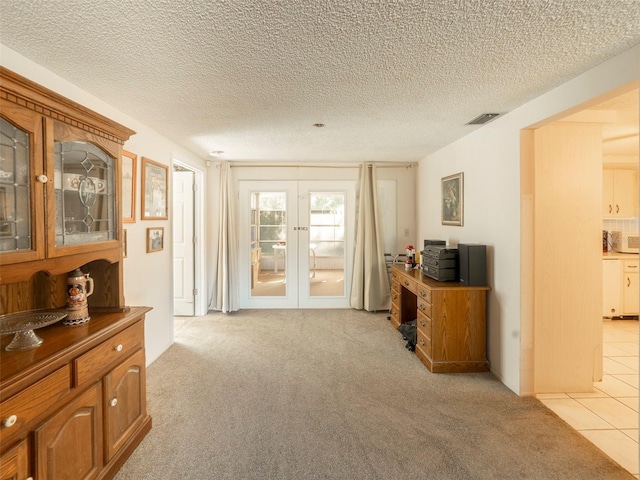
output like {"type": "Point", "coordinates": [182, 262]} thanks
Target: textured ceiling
{"type": "Point", "coordinates": [392, 80]}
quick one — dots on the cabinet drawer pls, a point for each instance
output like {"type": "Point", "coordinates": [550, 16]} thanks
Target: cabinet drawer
{"type": "Point", "coordinates": [408, 284]}
{"type": "Point", "coordinates": [424, 324]}
{"type": "Point", "coordinates": [423, 342]}
{"type": "Point", "coordinates": [395, 276]}
{"type": "Point", "coordinates": [20, 411]}
{"type": "Point", "coordinates": [424, 307]}
{"type": "Point", "coordinates": [630, 266]}
{"type": "Point", "coordinates": [424, 294]}
{"type": "Point", "coordinates": [395, 296]}
{"type": "Point", "coordinates": [96, 362]}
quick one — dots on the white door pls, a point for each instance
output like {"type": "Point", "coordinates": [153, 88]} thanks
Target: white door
{"type": "Point", "coordinates": [183, 245]}
{"type": "Point", "coordinates": [296, 243]}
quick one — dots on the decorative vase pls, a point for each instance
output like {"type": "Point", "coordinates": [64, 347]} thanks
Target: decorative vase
{"type": "Point", "coordinates": [79, 288]}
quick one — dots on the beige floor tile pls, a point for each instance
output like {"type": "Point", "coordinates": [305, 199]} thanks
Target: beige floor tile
{"type": "Point", "coordinates": [576, 414]}
{"type": "Point", "coordinates": [630, 379]}
{"type": "Point", "coordinates": [610, 350]}
{"type": "Point", "coordinates": [631, 402]}
{"type": "Point", "coordinates": [616, 445]}
{"type": "Point", "coordinates": [616, 388]}
{"type": "Point", "coordinates": [632, 434]}
{"type": "Point", "coordinates": [611, 366]}
{"type": "Point", "coordinates": [628, 347]}
{"type": "Point", "coordinates": [612, 411]}
{"type": "Point", "coordinates": [595, 394]}
{"type": "Point", "coordinates": [632, 362]}
{"type": "Point", "coordinates": [541, 396]}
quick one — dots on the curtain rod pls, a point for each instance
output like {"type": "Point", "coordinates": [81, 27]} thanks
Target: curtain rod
{"type": "Point", "coordinates": [327, 165]}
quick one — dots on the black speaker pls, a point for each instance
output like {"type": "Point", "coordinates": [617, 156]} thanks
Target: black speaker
{"type": "Point", "coordinates": [473, 264]}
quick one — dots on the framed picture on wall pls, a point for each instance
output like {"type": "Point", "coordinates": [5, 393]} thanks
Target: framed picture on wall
{"type": "Point", "coordinates": [155, 239]}
{"type": "Point", "coordinates": [155, 190]}
{"type": "Point", "coordinates": [129, 161]}
{"type": "Point", "coordinates": [453, 199]}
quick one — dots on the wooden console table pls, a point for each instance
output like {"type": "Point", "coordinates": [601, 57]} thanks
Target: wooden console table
{"type": "Point", "coordinates": [451, 320]}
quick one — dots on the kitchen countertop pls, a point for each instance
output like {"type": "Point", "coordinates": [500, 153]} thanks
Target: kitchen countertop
{"type": "Point", "coordinates": [618, 256]}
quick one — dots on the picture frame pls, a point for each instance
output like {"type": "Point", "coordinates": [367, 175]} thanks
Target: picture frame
{"type": "Point", "coordinates": [155, 239]}
{"type": "Point", "coordinates": [155, 190]}
{"type": "Point", "coordinates": [452, 197]}
{"type": "Point", "coordinates": [128, 169]}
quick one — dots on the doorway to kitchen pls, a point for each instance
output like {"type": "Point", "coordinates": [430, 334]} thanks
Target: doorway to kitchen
{"type": "Point", "coordinates": [297, 247]}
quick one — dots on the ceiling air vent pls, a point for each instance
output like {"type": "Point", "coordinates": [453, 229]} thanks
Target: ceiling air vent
{"type": "Point", "coordinates": [484, 118]}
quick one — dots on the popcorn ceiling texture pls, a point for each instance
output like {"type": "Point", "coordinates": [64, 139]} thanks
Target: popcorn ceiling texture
{"type": "Point", "coordinates": [392, 80]}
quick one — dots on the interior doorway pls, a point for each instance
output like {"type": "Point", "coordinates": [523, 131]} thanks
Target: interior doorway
{"type": "Point", "coordinates": [561, 183]}
{"type": "Point", "coordinates": [299, 247]}
{"type": "Point", "coordinates": [185, 240]}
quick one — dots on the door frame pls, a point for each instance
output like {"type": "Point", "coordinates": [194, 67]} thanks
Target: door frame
{"type": "Point", "coordinates": [200, 301]}
{"type": "Point", "coordinates": [292, 297]}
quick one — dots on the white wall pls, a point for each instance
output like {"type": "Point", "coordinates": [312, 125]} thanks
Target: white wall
{"type": "Point", "coordinates": [147, 276]}
{"type": "Point", "coordinates": [490, 160]}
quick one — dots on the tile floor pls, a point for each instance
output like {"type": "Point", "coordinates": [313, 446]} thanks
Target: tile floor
{"type": "Point", "coordinates": [608, 416]}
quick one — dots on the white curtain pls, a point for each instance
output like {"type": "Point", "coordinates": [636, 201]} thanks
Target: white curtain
{"type": "Point", "coordinates": [225, 291]}
{"type": "Point", "coordinates": [370, 286]}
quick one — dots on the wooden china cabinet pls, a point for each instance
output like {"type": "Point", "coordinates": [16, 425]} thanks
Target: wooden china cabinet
{"type": "Point", "coordinates": [73, 407]}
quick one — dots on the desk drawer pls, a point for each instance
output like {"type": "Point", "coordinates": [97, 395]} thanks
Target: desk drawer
{"type": "Point", "coordinates": [395, 296]}
{"type": "Point", "coordinates": [424, 307]}
{"type": "Point", "coordinates": [424, 294]}
{"type": "Point", "coordinates": [18, 413]}
{"type": "Point", "coordinates": [96, 362]}
{"type": "Point", "coordinates": [408, 284]}
{"type": "Point", "coordinates": [424, 324]}
{"type": "Point", "coordinates": [423, 342]}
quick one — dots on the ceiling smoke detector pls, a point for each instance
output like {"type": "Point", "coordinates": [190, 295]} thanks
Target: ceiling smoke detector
{"type": "Point", "coordinates": [482, 119]}
{"type": "Point", "coordinates": [215, 153]}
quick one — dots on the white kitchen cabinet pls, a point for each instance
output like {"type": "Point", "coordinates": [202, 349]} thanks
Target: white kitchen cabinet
{"type": "Point", "coordinates": [611, 287]}
{"type": "Point", "coordinates": [630, 291]}
{"type": "Point", "coordinates": [619, 193]}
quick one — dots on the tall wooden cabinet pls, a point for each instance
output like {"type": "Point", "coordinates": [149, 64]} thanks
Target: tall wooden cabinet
{"type": "Point", "coordinates": [59, 198]}
{"type": "Point", "coordinates": [75, 406]}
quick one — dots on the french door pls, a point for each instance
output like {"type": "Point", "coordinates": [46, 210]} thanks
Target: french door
{"type": "Point", "coordinates": [296, 243]}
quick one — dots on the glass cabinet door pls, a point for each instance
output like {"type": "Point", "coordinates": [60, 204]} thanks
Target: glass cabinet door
{"type": "Point", "coordinates": [85, 194]}
{"type": "Point", "coordinates": [15, 189]}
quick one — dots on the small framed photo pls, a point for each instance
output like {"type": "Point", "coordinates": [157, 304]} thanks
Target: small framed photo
{"type": "Point", "coordinates": [129, 161]}
{"type": "Point", "coordinates": [155, 190]}
{"type": "Point", "coordinates": [155, 239]}
{"type": "Point", "coordinates": [453, 199]}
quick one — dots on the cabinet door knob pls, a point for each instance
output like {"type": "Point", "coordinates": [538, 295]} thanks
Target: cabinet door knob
{"type": "Point", "coordinates": [113, 402]}
{"type": "Point", "coordinates": [42, 178]}
{"type": "Point", "coordinates": [10, 421]}
{"type": "Point", "coordinates": [118, 348]}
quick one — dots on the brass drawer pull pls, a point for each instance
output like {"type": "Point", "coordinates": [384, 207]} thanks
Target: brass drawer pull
{"type": "Point", "coordinates": [422, 323]}
{"type": "Point", "coordinates": [423, 293]}
{"type": "Point", "coordinates": [422, 342]}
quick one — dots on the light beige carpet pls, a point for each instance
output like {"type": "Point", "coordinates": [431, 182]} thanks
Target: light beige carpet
{"type": "Point", "coordinates": [333, 394]}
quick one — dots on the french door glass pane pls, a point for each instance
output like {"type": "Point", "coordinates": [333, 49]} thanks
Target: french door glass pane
{"type": "Point", "coordinates": [326, 243]}
{"type": "Point", "coordinates": [268, 243]}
